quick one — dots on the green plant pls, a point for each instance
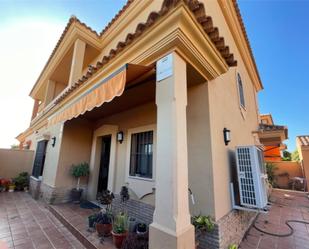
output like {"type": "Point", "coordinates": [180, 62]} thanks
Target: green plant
{"type": "Point", "coordinates": [287, 156]}
{"type": "Point", "coordinates": [21, 181]}
{"type": "Point", "coordinates": [233, 246]}
{"type": "Point", "coordinates": [203, 223]}
{"type": "Point", "coordinates": [80, 170]}
{"type": "Point", "coordinates": [270, 169]}
{"type": "Point", "coordinates": [120, 224]}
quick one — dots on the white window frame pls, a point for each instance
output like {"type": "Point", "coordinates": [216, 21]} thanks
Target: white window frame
{"type": "Point", "coordinates": [141, 129]}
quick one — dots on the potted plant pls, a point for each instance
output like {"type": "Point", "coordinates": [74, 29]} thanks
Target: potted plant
{"type": "Point", "coordinates": [12, 187]}
{"type": "Point", "coordinates": [4, 182]}
{"type": "Point", "coordinates": [132, 224]}
{"type": "Point", "coordinates": [92, 219]}
{"type": "Point", "coordinates": [78, 171]}
{"type": "Point", "coordinates": [103, 223]}
{"type": "Point", "coordinates": [22, 181]}
{"type": "Point", "coordinates": [141, 229]}
{"type": "Point", "coordinates": [105, 198]}
{"type": "Point", "coordinates": [120, 229]}
{"type": "Point", "coordinates": [2, 188]}
{"type": "Point", "coordinates": [202, 224]}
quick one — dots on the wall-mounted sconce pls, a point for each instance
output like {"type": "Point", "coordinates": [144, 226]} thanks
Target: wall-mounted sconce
{"type": "Point", "coordinates": [226, 136]}
{"type": "Point", "coordinates": [120, 136]}
{"type": "Point", "coordinates": [53, 141]}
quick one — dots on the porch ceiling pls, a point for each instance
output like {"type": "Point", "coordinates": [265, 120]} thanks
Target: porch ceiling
{"type": "Point", "coordinates": [137, 92]}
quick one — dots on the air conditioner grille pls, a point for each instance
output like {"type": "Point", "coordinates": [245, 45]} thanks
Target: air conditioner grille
{"type": "Point", "coordinates": [246, 177]}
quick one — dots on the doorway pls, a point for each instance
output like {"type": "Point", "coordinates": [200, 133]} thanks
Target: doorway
{"type": "Point", "coordinates": [104, 163]}
{"type": "Point", "coordinates": [39, 160]}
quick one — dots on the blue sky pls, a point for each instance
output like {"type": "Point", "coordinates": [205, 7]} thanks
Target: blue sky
{"type": "Point", "coordinates": [278, 33]}
{"type": "Point", "coordinates": [279, 36]}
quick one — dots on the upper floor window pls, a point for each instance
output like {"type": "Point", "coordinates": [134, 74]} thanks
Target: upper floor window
{"type": "Point", "coordinates": [241, 91]}
{"type": "Point", "coordinates": [141, 154]}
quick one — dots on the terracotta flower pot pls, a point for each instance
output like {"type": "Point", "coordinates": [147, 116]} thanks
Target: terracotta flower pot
{"type": "Point", "coordinates": [104, 229]}
{"type": "Point", "coordinates": [118, 239]}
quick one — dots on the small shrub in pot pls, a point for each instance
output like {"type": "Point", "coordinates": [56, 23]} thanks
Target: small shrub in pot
{"type": "Point", "coordinates": [120, 229]}
{"type": "Point", "coordinates": [91, 220]}
{"type": "Point", "coordinates": [103, 223]}
{"type": "Point", "coordinates": [141, 228]}
{"type": "Point", "coordinates": [78, 171]}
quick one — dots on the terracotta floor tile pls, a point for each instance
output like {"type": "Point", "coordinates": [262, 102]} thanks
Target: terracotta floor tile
{"type": "Point", "coordinates": [284, 208]}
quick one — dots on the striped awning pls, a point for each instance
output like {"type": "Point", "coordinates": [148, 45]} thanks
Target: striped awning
{"type": "Point", "coordinates": [104, 91]}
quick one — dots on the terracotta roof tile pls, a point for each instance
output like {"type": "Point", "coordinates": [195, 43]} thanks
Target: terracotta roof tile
{"type": "Point", "coordinates": [197, 9]}
{"type": "Point", "coordinates": [303, 140]}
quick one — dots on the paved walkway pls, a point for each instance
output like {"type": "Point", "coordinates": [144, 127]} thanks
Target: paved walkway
{"type": "Point", "coordinates": [26, 224]}
{"type": "Point", "coordinates": [287, 205]}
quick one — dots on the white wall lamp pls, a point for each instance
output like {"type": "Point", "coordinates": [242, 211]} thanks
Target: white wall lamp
{"type": "Point", "coordinates": [120, 136]}
{"type": "Point", "coordinates": [226, 136]}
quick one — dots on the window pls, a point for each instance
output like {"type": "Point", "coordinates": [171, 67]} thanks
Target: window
{"type": "Point", "coordinates": [141, 154]}
{"type": "Point", "coordinates": [241, 91]}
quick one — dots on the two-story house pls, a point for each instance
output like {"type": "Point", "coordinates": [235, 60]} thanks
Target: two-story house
{"type": "Point", "coordinates": [147, 102]}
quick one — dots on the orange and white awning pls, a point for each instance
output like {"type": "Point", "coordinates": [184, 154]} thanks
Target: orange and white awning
{"type": "Point", "coordinates": [104, 91]}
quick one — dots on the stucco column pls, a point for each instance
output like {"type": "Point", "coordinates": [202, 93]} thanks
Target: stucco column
{"type": "Point", "coordinates": [50, 90]}
{"type": "Point", "coordinates": [171, 227]}
{"type": "Point", "coordinates": [77, 61]}
{"type": "Point", "coordinates": [35, 109]}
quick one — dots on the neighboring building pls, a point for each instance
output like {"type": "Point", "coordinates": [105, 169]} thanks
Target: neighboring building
{"type": "Point", "coordinates": [302, 143]}
{"type": "Point", "coordinates": [167, 77]}
{"type": "Point", "coordinates": [272, 137]}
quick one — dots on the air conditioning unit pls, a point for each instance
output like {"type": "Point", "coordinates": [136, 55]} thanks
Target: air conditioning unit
{"type": "Point", "coordinates": [251, 177]}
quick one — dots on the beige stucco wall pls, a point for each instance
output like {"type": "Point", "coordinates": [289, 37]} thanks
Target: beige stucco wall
{"type": "Point", "coordinates": [75, 148]}
{"type": "Point", "coordinates": [304, 160]}
{"type": "Point", "coordinates": [225, 111]}
{"type": "Point", "coordinates": [199, 150]}
{"type": "Point", "coordinates": [13, 162]}
{"type": "Point", "coordinates": [293, 169]}
{"type": "Point", "coordinates": [133, 118]}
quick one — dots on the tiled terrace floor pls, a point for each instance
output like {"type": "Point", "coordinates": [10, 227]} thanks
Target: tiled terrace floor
{"type": "Point", "coordinates": [26, 224]}
{"type": "Point", "coordinates": [287, 205]}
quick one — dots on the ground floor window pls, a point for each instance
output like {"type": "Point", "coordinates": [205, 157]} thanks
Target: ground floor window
{"type": "Point", "coordinates": [141, 154]}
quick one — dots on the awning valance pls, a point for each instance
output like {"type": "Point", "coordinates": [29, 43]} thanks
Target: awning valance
{"type": "Point", "coordinates": [104, 91]}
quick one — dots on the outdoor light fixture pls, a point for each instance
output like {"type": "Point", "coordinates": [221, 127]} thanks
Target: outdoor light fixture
{"type": "Point", "coordinates": [227, 136]}
{"type": "Point", "coordinates": [54, 141]}
{"type": "Point", "coordinates": [120, 136]}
